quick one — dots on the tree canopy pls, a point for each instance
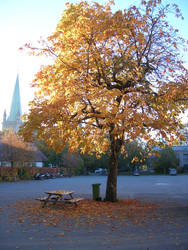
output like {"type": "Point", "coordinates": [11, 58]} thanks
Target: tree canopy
{"type": "Point", "coordinates": [115, 76]}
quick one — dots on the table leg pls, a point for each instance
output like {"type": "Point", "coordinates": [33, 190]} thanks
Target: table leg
{"type": "Point", "coordinates": [58, 197]}
{"type": "Point", "coordinates": [46, 201]}
{"type": "Point", "coordinates": [71, 196]}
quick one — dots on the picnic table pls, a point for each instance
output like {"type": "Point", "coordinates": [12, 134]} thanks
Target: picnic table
{"type": "Point", "coordinates": [63, 196]}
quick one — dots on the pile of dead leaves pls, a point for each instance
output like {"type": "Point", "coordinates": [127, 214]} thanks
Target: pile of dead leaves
{"type": "Point", "coordinates": [88, 212]}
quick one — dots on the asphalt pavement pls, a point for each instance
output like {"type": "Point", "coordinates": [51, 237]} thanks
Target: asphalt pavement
{"type": "Point", "coordinates": [168, 231]}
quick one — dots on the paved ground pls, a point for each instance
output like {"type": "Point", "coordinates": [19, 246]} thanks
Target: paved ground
{"type": "Point", "coordinates": [170, 231]}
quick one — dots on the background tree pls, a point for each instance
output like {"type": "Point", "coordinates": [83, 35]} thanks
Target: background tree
{"type": "Point", "coordinates": [53, 157]}
{"type": "Point", "coordinates": [92, 163]}
{"type": "Point", "coordinates": [166, 159]}
{"type": "Point", "coordinates": [135, 156]}
{"type": "Point", "coordinates": [73, 163]}
{"type": "Point", "coordinates": [115, 77]}
{"type": "Point", "coordinates": [15, 150]}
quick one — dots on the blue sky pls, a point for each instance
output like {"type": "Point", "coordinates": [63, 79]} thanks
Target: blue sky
{"type": "Point", "coordinates": [22, 21]}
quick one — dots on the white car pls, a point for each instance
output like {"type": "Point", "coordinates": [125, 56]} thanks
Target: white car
{"type": "Point", "coordinates": [172, 171]}
{"type": "Point", "coordinates": [101, 171]}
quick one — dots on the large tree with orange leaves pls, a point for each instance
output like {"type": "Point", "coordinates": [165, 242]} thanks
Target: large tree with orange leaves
{"type": "Point", "coordinates": [115, 76]}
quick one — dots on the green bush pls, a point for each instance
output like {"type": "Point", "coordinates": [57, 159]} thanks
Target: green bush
{"type": "Point", "coordinates": [166, 159]}
{"type": "Point", "coordinates": [24, 174]}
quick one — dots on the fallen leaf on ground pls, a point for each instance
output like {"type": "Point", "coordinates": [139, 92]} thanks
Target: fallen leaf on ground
{"type": "Point", "coordinates": [88, 212]}
{"type": "Point", "coordinates": [61, 234]}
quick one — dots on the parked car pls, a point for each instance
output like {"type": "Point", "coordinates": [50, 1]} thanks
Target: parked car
{"type": "Point", "coordinates": [101, 171]}
{"type": "Point", "coordinates": [98, 171]}
{"type": "Point", "coordinates": [136, 173]}
{"type": "Point", "coordinates": [58, 175]}
{"type": "Point", "coordinates": [172, 171]}
{"type": "Point", "coordinates": [47, 176]}
{"type": "Point", "coordinates": [39, 176]}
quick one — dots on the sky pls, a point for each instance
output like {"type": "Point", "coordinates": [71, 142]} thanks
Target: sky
{"type": "Point", "coordinates": [23, 21]}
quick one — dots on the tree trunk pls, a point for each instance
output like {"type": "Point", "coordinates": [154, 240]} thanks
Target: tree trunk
{"type": "Point", "coordinates": [111, 188]}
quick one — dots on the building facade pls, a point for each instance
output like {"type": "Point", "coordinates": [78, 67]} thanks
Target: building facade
{"type": "Point", "coordinates": [181, 152]}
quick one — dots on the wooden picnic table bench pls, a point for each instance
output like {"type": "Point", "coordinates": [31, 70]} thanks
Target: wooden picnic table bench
{"type": "Point", "coordinates": [59, 196]}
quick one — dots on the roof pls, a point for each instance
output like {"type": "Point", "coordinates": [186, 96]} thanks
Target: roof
{"type": "Point", "coordinates": [38, 155]}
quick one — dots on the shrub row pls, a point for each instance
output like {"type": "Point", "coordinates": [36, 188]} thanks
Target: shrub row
{"type": "Point", "coordinates": [23, 173]}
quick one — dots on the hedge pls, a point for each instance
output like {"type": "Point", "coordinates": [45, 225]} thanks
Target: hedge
{"type": "Point", "coordinates": [23, 173]}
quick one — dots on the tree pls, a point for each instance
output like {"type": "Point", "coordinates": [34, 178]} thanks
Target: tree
{"type": "Point", "coordinates": [53, 158]}
{"type": "Point", "coordinates": [165, 160]}
{"type": "Point", "coordinates": [73, 163]}
{"type": "Point", "coordinates": [135, 154]}
{"type": "Point", "coordinates": [92, 163]}
{"type": "Point", "coordinates": [115, 77]}
{"type": "Point", "coordinates": [14, 150]}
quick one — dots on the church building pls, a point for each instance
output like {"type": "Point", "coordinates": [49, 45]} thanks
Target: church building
{"type": "Point", "coordinates": [13, 121]}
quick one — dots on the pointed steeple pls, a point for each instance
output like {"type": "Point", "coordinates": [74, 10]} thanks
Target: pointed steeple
{"type": "Point", "coordinates": [4, 116]}
{"type": "Point", "coordinates": [14, 119]}
{"type": "Point", "coordinates": [15, 111]}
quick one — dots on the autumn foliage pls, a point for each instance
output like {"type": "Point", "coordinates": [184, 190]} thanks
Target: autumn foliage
{"type": "Point", "coordinates": [114, 77]}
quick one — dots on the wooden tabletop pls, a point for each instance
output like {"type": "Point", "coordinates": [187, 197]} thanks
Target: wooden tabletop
{"type": "Point", "coordinates": [60, 192]}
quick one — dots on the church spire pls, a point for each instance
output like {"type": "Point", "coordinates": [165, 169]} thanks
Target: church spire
{"type": "Point", "coordinates": [4, 116]}
{"type": "Point", "coordinates": [14, 119]}
{"type": "Point", "coordinates": [15, 111]}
